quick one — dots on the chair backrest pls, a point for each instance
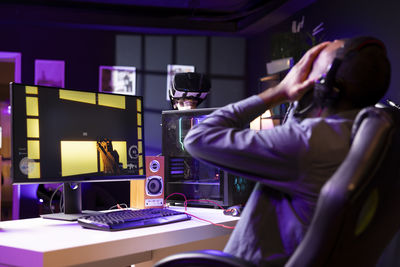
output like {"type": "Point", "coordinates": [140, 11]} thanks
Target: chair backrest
{"type": "Point", "coordinates": [357, 212]}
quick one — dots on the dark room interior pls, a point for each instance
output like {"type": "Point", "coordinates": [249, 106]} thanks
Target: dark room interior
{"type": "Point", "coordinates": [229, 41]}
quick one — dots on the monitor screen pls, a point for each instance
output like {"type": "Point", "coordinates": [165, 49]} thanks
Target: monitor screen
{"type": "Point", "coordinates": [62, 135]}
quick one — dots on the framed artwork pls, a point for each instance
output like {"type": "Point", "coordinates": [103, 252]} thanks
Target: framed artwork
{"type": "Point", "coordinates": [50, 72]}
{"type": "Point", "coordinates": [117, 79]}
{"type": "Point", "coordinates": [172, 70]}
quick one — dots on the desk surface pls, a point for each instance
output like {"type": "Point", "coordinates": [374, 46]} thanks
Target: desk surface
{"type": "Point", "coordinates": [44, 242]}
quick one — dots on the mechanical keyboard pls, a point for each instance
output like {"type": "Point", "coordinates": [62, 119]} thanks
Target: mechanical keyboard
{"type": "Point", "coordinates": [122, 219]}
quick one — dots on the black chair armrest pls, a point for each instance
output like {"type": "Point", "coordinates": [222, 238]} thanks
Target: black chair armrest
{"type": "Point", "coordinates": [200, 258]}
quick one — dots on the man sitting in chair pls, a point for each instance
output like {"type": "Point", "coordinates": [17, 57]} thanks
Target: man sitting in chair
{"type": "Point", "coordinates": [291, 162]}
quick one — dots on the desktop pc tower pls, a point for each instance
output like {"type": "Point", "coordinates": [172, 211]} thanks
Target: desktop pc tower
{"type": "Point", "coordinates": [201, 183]}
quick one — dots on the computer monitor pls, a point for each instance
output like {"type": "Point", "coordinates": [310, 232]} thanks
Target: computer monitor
{"type": "Point", "coordinates": [71, 136]}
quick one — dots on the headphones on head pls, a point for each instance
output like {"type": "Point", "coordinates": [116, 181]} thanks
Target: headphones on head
{"type": "Point", "coordinates": [327, 89]}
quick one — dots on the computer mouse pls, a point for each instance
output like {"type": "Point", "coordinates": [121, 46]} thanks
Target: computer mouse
{"type": "Point", "coordinates": [234, 210]}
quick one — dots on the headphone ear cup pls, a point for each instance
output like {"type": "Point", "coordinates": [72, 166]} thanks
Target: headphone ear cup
{"type": "Point", "coordinates": [325, 89]}
{"type": "Point", "coordinates": [324, 93]}
{"type": "Point", "coordinates": [320, 91]}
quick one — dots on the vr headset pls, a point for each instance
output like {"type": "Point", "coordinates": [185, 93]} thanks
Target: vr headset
{"type": "Point", "coordinates": [189, 85]}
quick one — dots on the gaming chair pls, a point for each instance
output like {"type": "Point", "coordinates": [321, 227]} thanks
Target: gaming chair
{"type": "Point", "coordinates": [357, 211]}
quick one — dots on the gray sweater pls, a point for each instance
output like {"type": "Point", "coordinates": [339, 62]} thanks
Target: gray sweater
{"type": "Point", "coordinates": [291, 163]}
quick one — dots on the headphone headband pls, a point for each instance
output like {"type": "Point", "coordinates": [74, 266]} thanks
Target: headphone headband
{"type": "Point", "coordinates": [371, 41]}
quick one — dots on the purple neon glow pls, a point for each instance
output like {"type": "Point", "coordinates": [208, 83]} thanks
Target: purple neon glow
{"type": "Point", "coordinates": [176, 167]}
{"type": "Point", "coordinates": [176, 172]}
{"type": "Point", "coordinates": [176, 160]}
{"type": "Point", "coordinates": [28, 190]}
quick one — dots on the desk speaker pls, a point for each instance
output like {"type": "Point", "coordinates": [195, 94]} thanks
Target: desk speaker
{"type": "Point", "coordinates": [149, 193]}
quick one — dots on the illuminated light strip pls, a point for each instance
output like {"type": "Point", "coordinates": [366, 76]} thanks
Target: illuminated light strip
{"type": "Point", "coordinates": [176, 172]}
{"type": "Point", "coordinates": [180, 134]}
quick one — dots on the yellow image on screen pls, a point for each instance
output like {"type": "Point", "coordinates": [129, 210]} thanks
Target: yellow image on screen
{"type": "Point", "coordinates": [114, 101]}
{"type": "Point", "coordinates": [140, 147]}
{"type": "Point", "coordinates": [120, 147]}
{"type": "Point", "coordinates": [139, 133]}
{"type": "Point", "coordinates": [78, 157]}
{"type": "Point", "coordinates": [32, 106]}
{"type": "Point", "coordinates": [35, 170]}
{"type": "Point", "coordinates": [32, 128]}
{"type": "Point", "coordinates": [140, 161]}
{"type": "Point", "coordinates": [33, 90]}
{"type": "Point", "coordinates": [33, 149]}
{"type": "Point", "coordinates": [84, 97]}
{"type": "Point", "coordinates": [139, 105]}
{"type": "Point", "coordinates": [139, 119]}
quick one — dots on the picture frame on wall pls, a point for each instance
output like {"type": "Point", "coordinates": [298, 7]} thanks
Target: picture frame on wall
{"type": "Point", "coordinates": [50, 72]}
{"type": "Point", "coordinates": [172, 70]}
{"type": "Point", "coordinates": [117, 79]}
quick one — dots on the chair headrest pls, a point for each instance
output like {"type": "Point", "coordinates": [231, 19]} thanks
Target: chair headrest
{"type": "Point", "coordinates": [368, 112]}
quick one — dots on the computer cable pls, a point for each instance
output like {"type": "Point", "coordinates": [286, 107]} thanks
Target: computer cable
{"type": "Point", "coordinates": [199, 200]}
{"type": "Point", "coordinates": [119, 206]}
{"type": "Point", "coordinates": [52, 196]}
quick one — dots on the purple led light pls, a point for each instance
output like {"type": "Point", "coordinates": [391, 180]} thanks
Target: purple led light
{"type": "Point", "coordinates": [7, 110]}
{"type": "Point", "coordinates": [176, 172]}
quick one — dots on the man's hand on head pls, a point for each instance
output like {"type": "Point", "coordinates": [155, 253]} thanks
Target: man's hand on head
{"type": "Point", "coordinates": [295, 84]}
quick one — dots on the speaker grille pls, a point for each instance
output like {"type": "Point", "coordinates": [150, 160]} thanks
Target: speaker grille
{"type": "Point", "coordinates": [154, 165]}
{"type": "Point", "coordinates": [154, 185]}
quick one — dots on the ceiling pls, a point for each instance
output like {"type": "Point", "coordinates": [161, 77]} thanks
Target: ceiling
{"type": "Point", "coordinates": [232, 17]}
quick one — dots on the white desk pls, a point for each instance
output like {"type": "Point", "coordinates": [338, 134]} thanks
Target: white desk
{"type": "Point", "coordinates": [44, 242]}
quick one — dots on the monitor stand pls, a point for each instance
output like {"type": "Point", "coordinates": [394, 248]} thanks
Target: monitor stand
{"type": "Point", "coordinates": [72, 194]}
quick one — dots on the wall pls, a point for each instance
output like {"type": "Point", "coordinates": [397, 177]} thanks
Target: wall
{"type": "Point", "coordinates": [221, 58]}
{"type": "Point", "coordinates": [341, 18]}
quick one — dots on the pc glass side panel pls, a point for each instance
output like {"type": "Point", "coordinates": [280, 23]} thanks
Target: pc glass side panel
{"type": "Point", "coordinates": [184, 174]}
{"type": "Point", "coordinates": [62, 135]}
